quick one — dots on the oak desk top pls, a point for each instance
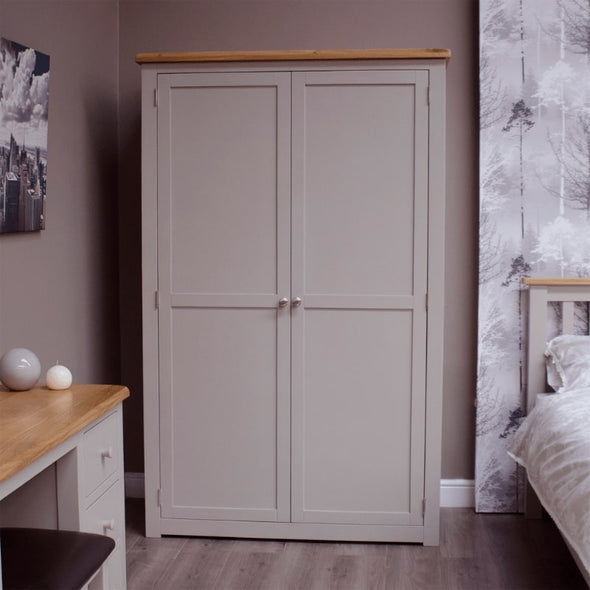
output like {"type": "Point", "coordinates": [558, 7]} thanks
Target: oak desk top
{"type": "Point", "coordinates": [34, 422]}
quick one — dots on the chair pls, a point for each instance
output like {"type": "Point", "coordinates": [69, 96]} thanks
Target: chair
{"type": "Point", "coordinates": [46, 559]}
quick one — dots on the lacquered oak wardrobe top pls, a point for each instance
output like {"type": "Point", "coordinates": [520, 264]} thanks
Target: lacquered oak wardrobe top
{"type": "Point", "coordinates": [292, 55]}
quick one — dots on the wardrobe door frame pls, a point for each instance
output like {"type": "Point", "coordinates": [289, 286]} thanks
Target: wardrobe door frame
{"type": "Point", "coordinates": [149, 256]}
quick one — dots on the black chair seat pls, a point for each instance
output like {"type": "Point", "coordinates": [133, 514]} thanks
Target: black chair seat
{"type": "Point", "coordinates": [49, 559]}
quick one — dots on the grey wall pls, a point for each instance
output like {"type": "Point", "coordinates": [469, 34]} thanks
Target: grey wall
{"type": "Point", "coordinates": [59, 287]}
{"type": "Point", "coordinates": [74, 314]}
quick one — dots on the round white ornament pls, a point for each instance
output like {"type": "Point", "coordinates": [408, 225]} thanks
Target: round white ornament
{"type": "Point", "coordinates": [19, 369]}
{"type": "Point", "coordinates": [58, 377]}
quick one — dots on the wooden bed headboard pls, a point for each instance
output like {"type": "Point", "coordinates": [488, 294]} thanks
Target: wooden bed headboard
{"type": "Point", "coordinates": [541, 293]}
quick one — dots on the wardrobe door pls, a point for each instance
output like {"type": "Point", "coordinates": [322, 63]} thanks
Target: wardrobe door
{"type": "Point", "coordinates": [359, 265]}
{"type": "Point", "coordinates": [223, 266]}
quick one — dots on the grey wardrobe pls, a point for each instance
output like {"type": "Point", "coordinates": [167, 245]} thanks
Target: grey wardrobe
{"type": "Point", "coordinates": [293, 217]}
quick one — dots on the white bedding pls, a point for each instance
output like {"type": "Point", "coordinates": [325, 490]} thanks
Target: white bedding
{"type": "Point", "coordinates": [553, 444]}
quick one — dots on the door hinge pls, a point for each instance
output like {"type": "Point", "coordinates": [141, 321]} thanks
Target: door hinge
{"type": "Point", "coordinates": [159, 498]}
{"type": "Point", "coordinates": [155, 97]}
{"type": "Point", "coordinates": [423, 507]}
{"type": "Point", "coordinates": [157, 299]}
{"type": "Point", "coordinates": [428, 95]}
{"type": "Point", "coordinates": [426, 302]}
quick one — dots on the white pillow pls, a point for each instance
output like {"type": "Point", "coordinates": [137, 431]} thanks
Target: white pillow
{"type": "Point", "coordinates": [553, 377]}
{"type": "Point", "coordinates": [568, 362]}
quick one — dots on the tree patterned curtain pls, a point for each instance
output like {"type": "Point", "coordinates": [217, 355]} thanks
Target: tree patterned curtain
{"type": "Point", "coordinates": [534, 203]}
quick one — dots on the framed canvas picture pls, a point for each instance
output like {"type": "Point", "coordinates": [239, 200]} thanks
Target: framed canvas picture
{"type": "Point", "coordinates": [24, 98]}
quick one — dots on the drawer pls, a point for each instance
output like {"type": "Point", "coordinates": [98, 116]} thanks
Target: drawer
{"type": "Point", "coordinates": [101, 452]}
{"type": "Point", "coordinates": [106, 516]}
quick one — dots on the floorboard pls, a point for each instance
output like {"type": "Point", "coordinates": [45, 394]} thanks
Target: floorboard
{"type": "Point", "coordinates": [477, 552]}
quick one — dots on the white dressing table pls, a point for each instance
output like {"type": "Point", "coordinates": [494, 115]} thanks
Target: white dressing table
{"type": "Point", "coordinates": [78, 431]}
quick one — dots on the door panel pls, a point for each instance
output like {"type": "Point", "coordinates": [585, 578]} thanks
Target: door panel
{"type": "Point", "coordinates": [358, 173]}
{"type": "Point", "coordinates": [224, 410]}
{"type": "Point", "coordinates": [357, 428]}
{"type": "Point", "coordinates": [223, 190]}
{"type": "Point", "coordinates": [223, 264]}
{"type": "Point", "coordinates": [359, 264]}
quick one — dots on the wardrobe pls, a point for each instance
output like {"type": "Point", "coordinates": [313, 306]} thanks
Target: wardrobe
{"type": "Point", "coordinates": [293, 263]}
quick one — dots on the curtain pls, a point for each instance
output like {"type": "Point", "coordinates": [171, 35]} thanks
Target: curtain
{"type": "Point", "coordinates": [534, 203]}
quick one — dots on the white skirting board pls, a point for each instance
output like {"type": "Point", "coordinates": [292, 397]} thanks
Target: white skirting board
{"type": "Point", "coordinates": [454, 493]}
{"type": "Point", "coordinates": [457, 493]}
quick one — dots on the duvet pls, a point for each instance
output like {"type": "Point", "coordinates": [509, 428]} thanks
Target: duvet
{"type": "Point", "coordinates": [553, 444]}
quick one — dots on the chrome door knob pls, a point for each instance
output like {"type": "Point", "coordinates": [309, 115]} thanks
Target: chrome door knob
{"type": "Point", "coordinates": [296, 301]}
{"type": "Point", "coordinates": [283, 302]}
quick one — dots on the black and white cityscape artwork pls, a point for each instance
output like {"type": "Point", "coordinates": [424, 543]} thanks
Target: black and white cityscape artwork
{"type": "Point", "coordinates": [534, 203]}
{"type": "Point", "coordinates": [24, 96]}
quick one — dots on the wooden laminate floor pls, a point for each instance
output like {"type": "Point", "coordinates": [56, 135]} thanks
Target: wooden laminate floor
{"type": "Point", "coordinates": [477, 551]}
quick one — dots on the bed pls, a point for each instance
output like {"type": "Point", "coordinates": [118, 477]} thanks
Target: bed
{"type": "Point", "coordinates": [553, 442]}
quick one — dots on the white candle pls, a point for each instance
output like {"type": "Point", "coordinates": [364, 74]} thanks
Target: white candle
{"type": "Point", "coordinates": [58, 377]}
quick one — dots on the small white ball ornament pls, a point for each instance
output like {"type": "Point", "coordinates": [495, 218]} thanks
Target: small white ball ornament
{"type": "Point", "coordinates": [58, 377]}
{"type": "Point", "coordinates": [19, 369]}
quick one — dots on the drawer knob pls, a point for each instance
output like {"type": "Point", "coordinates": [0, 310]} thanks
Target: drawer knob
{"type": "Point", "coordinates": [107, 453]}
{"type": "Point", "coordinates": [108, 525]}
